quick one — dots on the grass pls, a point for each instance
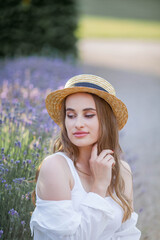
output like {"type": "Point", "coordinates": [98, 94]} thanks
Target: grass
{"type": "Point", "coordinates": [99, 27]}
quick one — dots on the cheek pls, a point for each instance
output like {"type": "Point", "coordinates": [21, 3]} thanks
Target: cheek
{"type": "Point", "coordinates": [68, 126]}
{"type": "Point", "coordinates": [96, 123]}
{"type": "Point", "coordinates": [95, 126]}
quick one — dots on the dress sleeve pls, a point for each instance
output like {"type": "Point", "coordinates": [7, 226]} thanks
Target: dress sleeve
{"type": "Point", "coordinates": [128, 229]}
{"type": "Point", "coordinates": [59, 220]}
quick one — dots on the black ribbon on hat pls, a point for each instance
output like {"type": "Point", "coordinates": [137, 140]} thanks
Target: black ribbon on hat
{"type": "Point", "coordinates": [89, 85]}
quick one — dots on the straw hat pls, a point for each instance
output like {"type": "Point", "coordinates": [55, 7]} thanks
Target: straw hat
{"type": "Point", "coordinates": [89, 84]}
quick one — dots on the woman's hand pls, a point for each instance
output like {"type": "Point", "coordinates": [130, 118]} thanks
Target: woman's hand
{"type": "Point", "coordinates": [101, 169]}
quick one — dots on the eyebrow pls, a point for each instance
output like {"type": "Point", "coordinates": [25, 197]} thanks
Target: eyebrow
{"type": "Point", "coordinates": [85, 109]}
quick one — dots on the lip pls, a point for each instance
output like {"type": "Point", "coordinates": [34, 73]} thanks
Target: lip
{"type": "Point", "coordinates": [80, 134]}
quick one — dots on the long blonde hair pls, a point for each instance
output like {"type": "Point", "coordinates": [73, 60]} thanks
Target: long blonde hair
{"type": "Point", "coordinates": [108, 139]}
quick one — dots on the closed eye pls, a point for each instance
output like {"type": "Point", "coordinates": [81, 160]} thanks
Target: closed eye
{"type": "Point", "coordinates": [89, 115]}
{"type": "Point", "coordinates": [70, 116]}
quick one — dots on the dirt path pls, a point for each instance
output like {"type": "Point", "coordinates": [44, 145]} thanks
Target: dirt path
{"type": "Point", "coordinates": [138, 85]}
{"type": "Point", "coordinates": [135, 55]}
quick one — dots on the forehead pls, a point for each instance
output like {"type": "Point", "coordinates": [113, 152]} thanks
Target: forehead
{"type": "Point", "coordinates": [80, 100]}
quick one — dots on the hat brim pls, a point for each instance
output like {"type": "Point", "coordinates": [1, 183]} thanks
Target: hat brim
{"type": "Point", "coordinates": [54, 103]}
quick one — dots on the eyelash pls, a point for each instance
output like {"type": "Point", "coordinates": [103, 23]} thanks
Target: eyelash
{"type": "Point", "coordinates": [87, 116]}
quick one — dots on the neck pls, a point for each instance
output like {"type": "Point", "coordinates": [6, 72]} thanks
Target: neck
{"type": "Point", "coordinates": [83, 159]}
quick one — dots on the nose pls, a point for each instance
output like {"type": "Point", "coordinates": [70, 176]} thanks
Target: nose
{"type": "Point", "coordinates": [79, 123]}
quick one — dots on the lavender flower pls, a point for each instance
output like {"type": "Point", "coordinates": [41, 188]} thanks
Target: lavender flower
{"type": "Point", "coordinates": [3, 180]}
{"type": "Point", "coordinates": [34, 145]}
{"type": "Point", "coordinates": [23, 223]}
{"type": "Point", "coordinates": [1, 233]}
{"type": "Point", "coordinates": [19, 144]}
{"type": "Point", "coordinates": [8, 186]}
{"type": "Point", "coordinates": [13, 212]}
{"type": "Point", "coordinates": [29, 161]}
{"type": "Point", "coordinates": [2, 150]}
{"type": "Point", "coordinates": [27, 196]}
{"type": "Point", "coordinates": [18, 180]}
{"type": "Point", "coordinates": [25, 153]}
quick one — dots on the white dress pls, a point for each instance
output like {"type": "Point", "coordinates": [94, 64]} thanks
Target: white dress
{"type": "Point", "coordinates": [87, 216]}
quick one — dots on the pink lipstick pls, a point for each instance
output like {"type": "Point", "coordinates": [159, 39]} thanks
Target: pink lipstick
{"type": "Point", "coordinates": [80, 134]}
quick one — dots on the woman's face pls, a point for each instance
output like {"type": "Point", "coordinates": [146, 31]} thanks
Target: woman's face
{"type": "Point", "coordinates": [81, 119]}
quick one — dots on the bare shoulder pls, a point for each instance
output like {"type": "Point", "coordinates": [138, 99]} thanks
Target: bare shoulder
{"type": "Point", "coordinates": [53, 163]}
{"type": "Point", "coordinates": [126, 174]}
{"type": "Point", "coordinates": [53, 181]}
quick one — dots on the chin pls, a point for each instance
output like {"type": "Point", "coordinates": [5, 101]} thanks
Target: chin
{"type": "Point", "coordinates": [83, 144]}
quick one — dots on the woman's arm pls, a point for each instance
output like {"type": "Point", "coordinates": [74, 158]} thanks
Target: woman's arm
{"type": "Point", "coordinates": [53, 181]}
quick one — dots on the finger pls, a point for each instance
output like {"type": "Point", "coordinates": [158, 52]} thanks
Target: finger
{"type": "Point", "coordinates": [104, 153]}
{"type": "Point", "coordinates": [112, 162]}
{"type": "Point", "coordinates": [108, 158]}
{"type": "Point", "coordinates": [94, 151]}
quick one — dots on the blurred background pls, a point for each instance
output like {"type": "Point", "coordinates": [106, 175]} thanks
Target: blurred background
{"type": "Point", "coordinates": [43, 44]}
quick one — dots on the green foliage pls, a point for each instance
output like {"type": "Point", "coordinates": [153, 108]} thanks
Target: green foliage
{"type": "Point", "coordinates": [43, 27]}
{"type": "Point", "coordinates": [123, 9]}
{"type": "Point", "coordinates": [22, 150]}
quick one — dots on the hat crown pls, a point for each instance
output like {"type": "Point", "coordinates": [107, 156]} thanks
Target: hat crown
{"type": "Point", "coordinates": [90, 81]}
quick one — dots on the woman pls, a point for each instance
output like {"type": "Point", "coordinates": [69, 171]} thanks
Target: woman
{"type": "Point", "coordinates": [84, 190]}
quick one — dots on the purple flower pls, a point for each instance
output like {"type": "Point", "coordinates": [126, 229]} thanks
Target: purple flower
{"type": "Point", "coordinates": [8, 186]}
{"type": "Point", "coordinates": [40, 138]}
{"type": "Point", "coordinates": [18, 180]}
{"type": "Point", "coordinates": [3, 180]}
{"type": "Point", "coordinates": [29, 161]}
{"type": "Point", "coordinates": [19, 144]}
{"type": "Point", "coordinates": [25, 152]}
{"type": "Point", "coordinates": [23, 223]}
{"type": "Point", "coordinates": [13, 212]}
{"type": "Point", "coordinates": [2, 150]}
{"type": "Point", "coordinates": [34, 145]}
{"type": "Point", "coordinates": [27, 196]}
{"type": "Point", "coordinates": [1, 233]}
